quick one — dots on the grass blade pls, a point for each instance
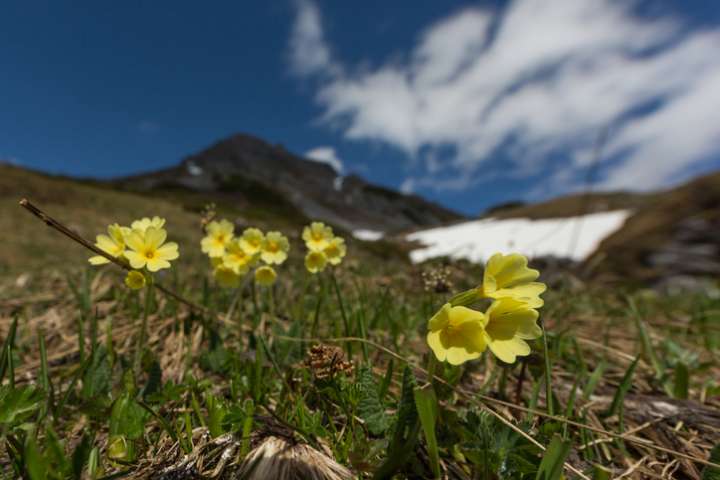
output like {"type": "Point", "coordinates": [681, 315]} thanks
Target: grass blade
{"type": "Point", "coordinates": [5, 356]}
{"type": "Point", "coordinates": [551, 466]}
{"type": "Point", "coordinates": [622, 389]}
{"type": "Point", "coordinates": [426, 404]}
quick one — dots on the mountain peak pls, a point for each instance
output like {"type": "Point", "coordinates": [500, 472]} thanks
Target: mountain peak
{"type": "Point", "coordinates": [235, 164]}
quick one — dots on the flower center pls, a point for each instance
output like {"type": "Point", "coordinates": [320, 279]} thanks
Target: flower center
{"type": "Point", "coordinates": [149, 254]}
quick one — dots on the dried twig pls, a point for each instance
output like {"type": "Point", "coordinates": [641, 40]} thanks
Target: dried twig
{"type": "Point", "coordinates": [52, 223]}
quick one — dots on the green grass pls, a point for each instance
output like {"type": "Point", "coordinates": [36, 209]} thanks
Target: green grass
{"type": "Point", "coordinates": [622, 378]}
{"type": "Point", "coordinates": [73, 408]}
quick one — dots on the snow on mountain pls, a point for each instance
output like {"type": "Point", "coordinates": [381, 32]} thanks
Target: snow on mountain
{"type": "Point", "coordinates": [571, 237]}
{"type": "Point", "coordinates": [368, 235]}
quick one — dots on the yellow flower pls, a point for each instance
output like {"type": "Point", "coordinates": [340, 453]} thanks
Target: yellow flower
{"type": "Point", "coordinates": [226, 277]}
{"type": "Point", "coordinates": [510, 323]}
{"type": "Point", "coordinates": [275, 248]}
{"type": "Point", "coordinates": [113, 243]}
{"type": "Point", "coordinates": [219, 234]}
{"type": "Point", "coordinates": [509, 276]}
{"type": "Point", "coordinates": [135, 280]}
{"type": "Point", "coordinates": [335, 251]}
{"type": "Point", "coordinates": [457, 334]}
{"type": "Point", "coordinates": [237, 259]}
{"type": "Point", "coordinates": [317, 236]}
{"type": "Point", "coordinates": [145, 223]}
{"type": "Point", "coordinates": [315, 261]}
{"type": "Point", "coordinates": [265, 275]}
{"type": "Point", "coordinates": [252, 240]}
{"type": "Point", "coordinates": [147, 249]}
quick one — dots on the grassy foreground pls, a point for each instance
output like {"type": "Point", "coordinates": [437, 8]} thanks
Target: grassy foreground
{"type": "Point", "coordinates": [324, 377]}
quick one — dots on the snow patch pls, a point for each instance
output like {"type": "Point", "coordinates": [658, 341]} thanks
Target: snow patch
{"type": "Point", "coordinates": [193, 169]}
{"type": "Point", "coordinates": [573, 237]}
{"type": "Point", "coordinates": [368, 235]}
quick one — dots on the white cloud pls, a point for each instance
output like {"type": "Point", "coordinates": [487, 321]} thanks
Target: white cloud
{"type": "Point", "coordinates": [326, 155]}
{"type": "Point", "coordinates": [407, 186]}
{"type": "Point", "coordinates": [537, 81]}
{"type": "Point", "coordinates": [309, 52]}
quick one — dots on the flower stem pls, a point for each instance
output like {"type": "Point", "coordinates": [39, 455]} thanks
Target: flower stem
{"type": "Point", "coordinates": [143, 327]}
{"type": "Point", "coordinates": [318, 306]}
{"type": "Point", "coordinates": [431, 366]}
{"type": "Point", "coordinates": [346, 324]}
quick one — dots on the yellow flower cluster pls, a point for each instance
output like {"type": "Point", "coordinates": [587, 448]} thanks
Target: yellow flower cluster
{"type": "Point", "coordinates": [142, 245]}
{"type": "Point", "coordinates": [323, 247]}
{"type": "Point", "coordinates": [457, 333]}
{"type": "Point", "coordinates": [232, 257]}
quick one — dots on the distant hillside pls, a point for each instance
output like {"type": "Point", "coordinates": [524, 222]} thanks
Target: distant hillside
{"type": "Point", "coordinates": [30, 246]}
{"type": "Point", "coordinates": [572, 205]}
{"type": "Point", "coordinates": [88, 206]}
{"type": "Point", "coordinates": [643, 238]}
{"type": "Point", "coordinates": [677, 233]}
{"type": "Point", "coordinates": [252, 173]}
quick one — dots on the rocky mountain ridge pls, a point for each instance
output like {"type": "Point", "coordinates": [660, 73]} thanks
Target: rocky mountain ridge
{"type": "Point", "coordinates": [244, 166]}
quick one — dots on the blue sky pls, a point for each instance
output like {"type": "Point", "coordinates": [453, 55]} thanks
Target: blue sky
{"type": "Point", "coordinates": [467, 103]}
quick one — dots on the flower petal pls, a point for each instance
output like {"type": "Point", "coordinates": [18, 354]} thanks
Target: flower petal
{"type": "Point", "coordinates": [169, 251]}
{"type": "Point", "coordinates": [457, 356]}
{"type": "Point", "coordinates": [98, 260]}
{"type": "Point", "coordinates": [135, 240]}
{"type": "Point", "coordinates": [154, 237]}
{"type": "Point", "coordinates": [509, 350]}
{"type": "Point", "coordinates": [440, 319]}
{"type": "Point", "coordinates": [136, 260]}
{"type": "Point", "coordinates": [155, 264]}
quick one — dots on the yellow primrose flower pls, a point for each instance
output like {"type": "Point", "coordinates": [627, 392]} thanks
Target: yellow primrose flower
{"type": "Point", "coordinates": [252, 240]}
{"type": "Point", "coordinates": [219, 234]}
{"type": "Point", "coordinates": [226, 277]}
{"type": "Point", "coordinates": [315, 261]}
{"type": "Point", "coordinates": [509, 323]}
{"type": "Point", "coordinates": [275, 248]}
{"type": "Point", "coordinates": [135, 280]}
{"type": "Point", "coordinates": [457, 334]}
{"type": "Point", "coordinates": [265, 275]}
{"type": "Point", "coordinates": [113, 243]}
{"type": "Point", "coordinates": [145, 223]}
{"type": "Point", "coordinates": [317, 236]}
{"type": "Point", "coordinates": [237, 259]}
{"type": "Point", "coordinates": [335, 251]}
{"type": "Point", "coordinates": [509, 276]}
{"type": "Point", "coordinates": [148, 249]}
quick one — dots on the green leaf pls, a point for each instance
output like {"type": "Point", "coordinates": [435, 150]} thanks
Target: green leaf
{"type": "Point", "coordinates": [594, 379]}
{"type": "Point", "coordinates": [5, 364]}
{"type": "Point", "coordinates": [127, 418]}
{"type": "Point", "coordinates": [216, 413]}
{"type": "Point", "coordinates": [35, 464]}
{"type": "Point", "coordinates": [427, 406]}
{"type": "Point", "coordinates": [370, 409]}
{"type": "Point", "coordinates": [682, 381]}
{"type": "Point", "coordinates": [709, 472]}
{"type": "Point", "coordinates": [18, 404]}
{"type": "Point", "coordinates": [647, 346]}
{"type": "Point", "coordinates": [622, 389]}
{"type": "Point", "coordinates": [406, 430]}
{"type": "Point", "coordinates": [80, 455]}
{"type": "Point", "coordinates": [551, 466]}
{"type": "Point", "coordinates": [96, 379]}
